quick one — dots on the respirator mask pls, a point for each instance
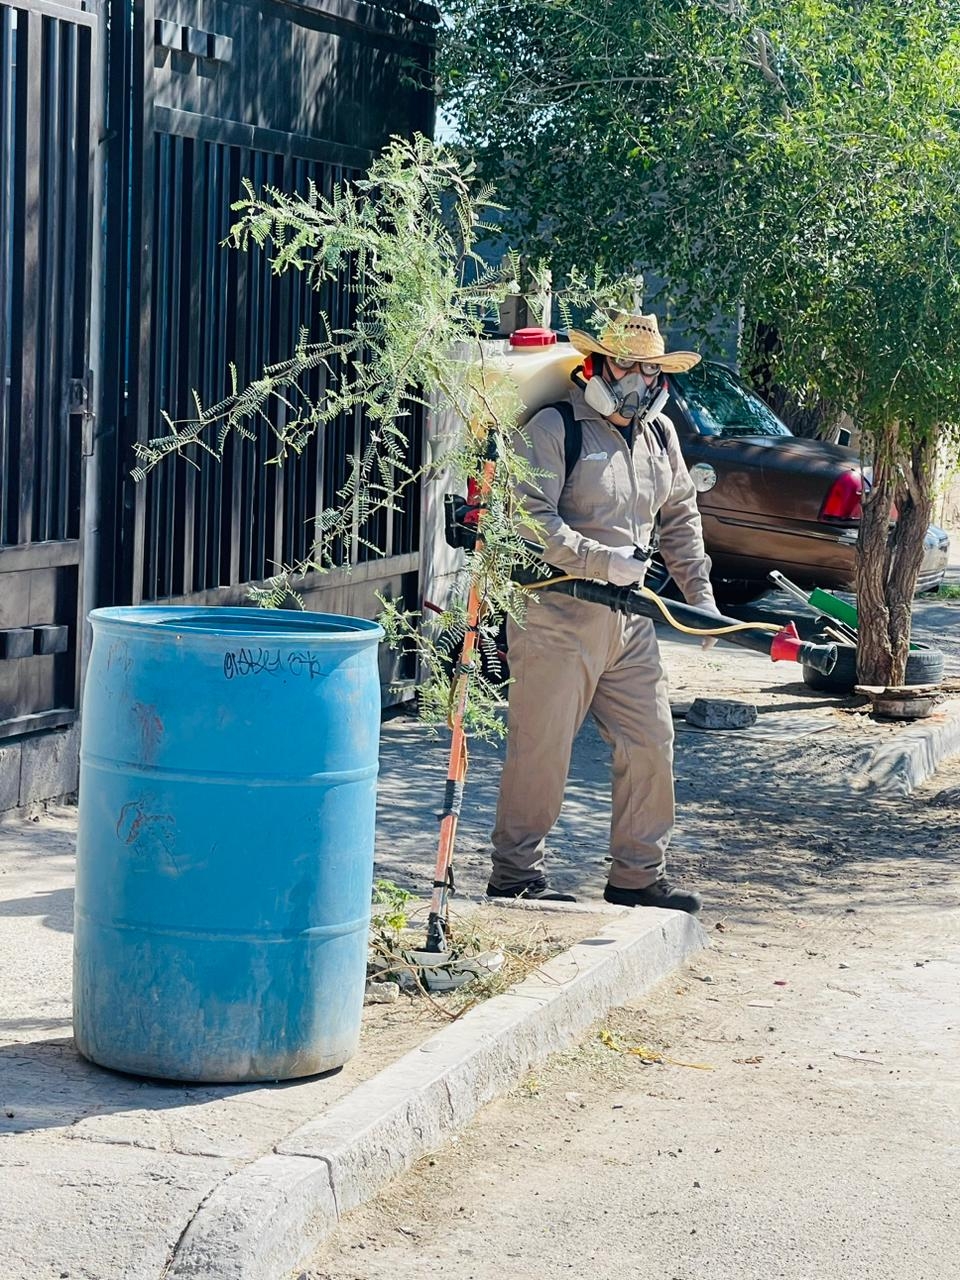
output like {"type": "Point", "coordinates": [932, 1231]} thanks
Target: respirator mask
{"type": "Point", "coordinates": [628, 396]}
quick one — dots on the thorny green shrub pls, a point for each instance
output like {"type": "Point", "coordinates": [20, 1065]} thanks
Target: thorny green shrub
{"type": "Point", "coordinates": [405, 237]}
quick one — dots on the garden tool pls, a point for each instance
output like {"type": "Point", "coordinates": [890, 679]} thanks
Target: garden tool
{"type": "Point", "coordinates": [824, 603]}
{"type": "Point", "coordinates": [844, 615]}
{"type": "Point", "coordinates": [441, 970]}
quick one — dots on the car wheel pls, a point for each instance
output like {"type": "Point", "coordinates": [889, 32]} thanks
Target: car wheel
{"type": "Point", "coordinates": [924, 666]}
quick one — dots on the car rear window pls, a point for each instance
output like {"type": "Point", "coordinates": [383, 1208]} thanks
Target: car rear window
{"type": "Point", "coordinates": [720, 405]}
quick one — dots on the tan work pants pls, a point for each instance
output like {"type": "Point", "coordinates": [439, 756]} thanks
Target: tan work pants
{"type": "Point", "coordinates": [569, 658]}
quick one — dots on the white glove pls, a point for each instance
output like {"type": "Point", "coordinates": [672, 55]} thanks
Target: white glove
{"type": "Point", "coordinates": [708, 606]}
{"type": "Point", "coordinates": [624, 569]}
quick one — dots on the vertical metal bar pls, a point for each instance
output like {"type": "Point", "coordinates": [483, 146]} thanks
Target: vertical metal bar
{"type": "Point", "coordinates": [85, 504]}
{"type": "Point", "coordinates": [188, 326]}
{"type": "Point", "coordinates": [122, 186]}
{"type": "Point", "coordinates": [172, 305]}
{"type": "Point", "coordinates": [262, 481]}
{"type": "Point", "coordinates": [211, 379]}
{"type": "Point", "coordinates": [50, 319]}
{"type": "Point", "coordinates": [72, 274]}
{"type": "Point", "coordinates": [323, 180]}
{"type": "Point", "coordinates": [155, 539]}
{"type": "Point", "coordinates": [292, 312]}
{"type": "Point", "coordinates": [253, 456]}
{"type": "Point", "coordinates": [281, 347]}
{"type": "Point", "coordinates": [24, 293]}
{"type": "Point", "coordinates": [239, 276]}
{"type": "Point", "coordinates": [140, 250]}
{"type": "Point", "coordinates": [7, 79]}
{"type": "Point", "coordinates": [223, 351]}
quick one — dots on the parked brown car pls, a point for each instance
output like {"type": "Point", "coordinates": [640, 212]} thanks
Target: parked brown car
{"type": "Point", "coordinates": [769, 499]}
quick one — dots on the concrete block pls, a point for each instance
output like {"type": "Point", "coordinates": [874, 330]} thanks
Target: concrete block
{"type": "Point", "coordinates": [16, 643]}
{"type": "Point", "coordinates": [242, 1230]}
{"type": "Point", "coordinates": [912, 755]}
{"type": "Point", "coordinates": [50, 639]}
{"type": "Point", "coordinates": [10, 756]}
{"type": "Point", "coordinates": [50, 765]}
{"type": "Point", "coordinates": [167, 34]}
{"type": "Point", "coordinates": [720, 713]}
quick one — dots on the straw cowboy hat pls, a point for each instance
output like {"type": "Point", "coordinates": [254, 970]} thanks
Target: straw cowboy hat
{"type": "Point", "coordinates": [634, 335]}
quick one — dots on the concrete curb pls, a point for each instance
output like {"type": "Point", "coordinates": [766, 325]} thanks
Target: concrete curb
{"type": "Point", "coordinates": [264, 1220]}
{"type": "Point", "coordinates": [914, 755]}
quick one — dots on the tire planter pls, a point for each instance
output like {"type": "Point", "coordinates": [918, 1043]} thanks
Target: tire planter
{"type": "Point", "coordinates": [924, 666]}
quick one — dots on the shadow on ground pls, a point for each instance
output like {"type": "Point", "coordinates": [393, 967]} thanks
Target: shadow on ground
{"type": "Point", "coordinates": [46, 1084]}
{"type": "Point", "coordinates": [760, 822]}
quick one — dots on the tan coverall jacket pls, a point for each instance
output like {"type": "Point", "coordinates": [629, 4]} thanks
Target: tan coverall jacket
{"type": "Point", "coordinates": [571, 657]}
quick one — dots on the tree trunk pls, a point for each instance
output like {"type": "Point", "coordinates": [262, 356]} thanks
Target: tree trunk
{"type": "Point", "coordinates": [889, 562]}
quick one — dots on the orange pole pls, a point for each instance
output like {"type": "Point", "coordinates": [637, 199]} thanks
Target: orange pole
{"type": "Point", "coordinates": [457, 770]}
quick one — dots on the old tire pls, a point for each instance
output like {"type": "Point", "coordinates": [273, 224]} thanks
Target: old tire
{"type": "Point", "coordinates": [924, 666]}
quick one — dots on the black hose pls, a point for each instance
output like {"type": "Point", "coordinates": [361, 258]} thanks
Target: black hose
{"type": "Point", "coordinates": [822, 657]}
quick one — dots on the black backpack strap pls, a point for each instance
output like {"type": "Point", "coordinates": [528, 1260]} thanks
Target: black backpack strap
{"type": "Point", "coordinates": [572, 437]}
{"type": "Point", "coordinates": [661, 434]}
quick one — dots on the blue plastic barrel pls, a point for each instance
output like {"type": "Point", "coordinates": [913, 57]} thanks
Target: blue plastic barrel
{"type": "Point", "coordinates": [228, 767]}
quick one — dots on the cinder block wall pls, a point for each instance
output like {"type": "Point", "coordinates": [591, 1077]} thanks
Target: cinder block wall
{"type": "Point", "coordinates": [38, 768]}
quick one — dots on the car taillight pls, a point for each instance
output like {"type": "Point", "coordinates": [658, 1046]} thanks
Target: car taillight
{"type": "Point", "coordinates": [843, 500]}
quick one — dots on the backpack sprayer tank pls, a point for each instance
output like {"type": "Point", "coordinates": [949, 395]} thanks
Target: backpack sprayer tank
{"type": "Point", "coordinates": [538, 365]}
{"type": "Point", "coordinates": [540, 368]}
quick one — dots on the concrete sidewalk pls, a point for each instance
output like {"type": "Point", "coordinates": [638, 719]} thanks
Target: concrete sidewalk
{"type": "Point", "coordinates": [107, 1177]}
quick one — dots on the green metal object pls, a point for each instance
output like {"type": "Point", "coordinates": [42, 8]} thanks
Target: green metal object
{"type": "Point", "coordinates": [835, 608]}
{"type": "Point", "coordinates": [832, 607]}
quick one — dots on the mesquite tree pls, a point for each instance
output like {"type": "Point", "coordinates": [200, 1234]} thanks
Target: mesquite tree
{"type": "Point", "coordinates": [792, 162]}
{"type": "Point", "coordinates": [404, 237]}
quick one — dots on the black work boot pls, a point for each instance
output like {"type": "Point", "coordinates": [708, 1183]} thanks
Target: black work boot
{"type": "Point", "coordinates": [658, 894]}
{"type": "Point", "coordinates": [537, 890]}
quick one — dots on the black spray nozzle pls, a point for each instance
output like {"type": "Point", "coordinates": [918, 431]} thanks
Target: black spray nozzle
{"type": "Point", "coordinates": [822, 657]}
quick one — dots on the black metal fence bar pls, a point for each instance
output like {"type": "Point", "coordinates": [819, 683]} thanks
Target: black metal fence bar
{"type": "Point", "coordinates": [9, 444]}
{"type": "Point", "coordinates": [24, 294]}
{"type": "Point", "coordinates": [47, 111]}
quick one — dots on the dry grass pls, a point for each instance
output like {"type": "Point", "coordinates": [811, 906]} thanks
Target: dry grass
{"type": "Point", "coordinates": [525, 942]}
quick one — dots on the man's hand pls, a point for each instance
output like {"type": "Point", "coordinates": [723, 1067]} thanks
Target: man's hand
{"type": "Point", "coordinates": [624, 569]}
{"type": "Point", "coordinates": [708, 606]}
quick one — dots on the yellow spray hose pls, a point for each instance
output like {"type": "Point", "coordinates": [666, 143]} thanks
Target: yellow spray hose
{"type": "Point", "coordinates": [661, 605]}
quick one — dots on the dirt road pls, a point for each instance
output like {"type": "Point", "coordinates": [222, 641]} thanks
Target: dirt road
{"type": "Point", "coordinates": [804, 1123]}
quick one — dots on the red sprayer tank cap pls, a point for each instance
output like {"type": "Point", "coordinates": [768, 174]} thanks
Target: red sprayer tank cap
{"type": "Point", "coordinates": [532, 338]}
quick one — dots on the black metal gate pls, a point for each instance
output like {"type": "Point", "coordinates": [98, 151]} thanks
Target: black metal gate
{"type": "Point", "coordinates": [280, 93]}
{"type": "Point", "coordinates": [49, 96]}
{"type": "Point", "coordinates": [126, 128]}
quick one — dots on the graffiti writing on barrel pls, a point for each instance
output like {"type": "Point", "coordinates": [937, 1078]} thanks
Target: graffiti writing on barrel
{"type": "Point", "coordinates": [271, 662]}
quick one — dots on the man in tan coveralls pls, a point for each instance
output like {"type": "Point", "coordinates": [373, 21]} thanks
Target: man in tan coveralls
{"type": "Point", "coordinates": [571, 656]}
